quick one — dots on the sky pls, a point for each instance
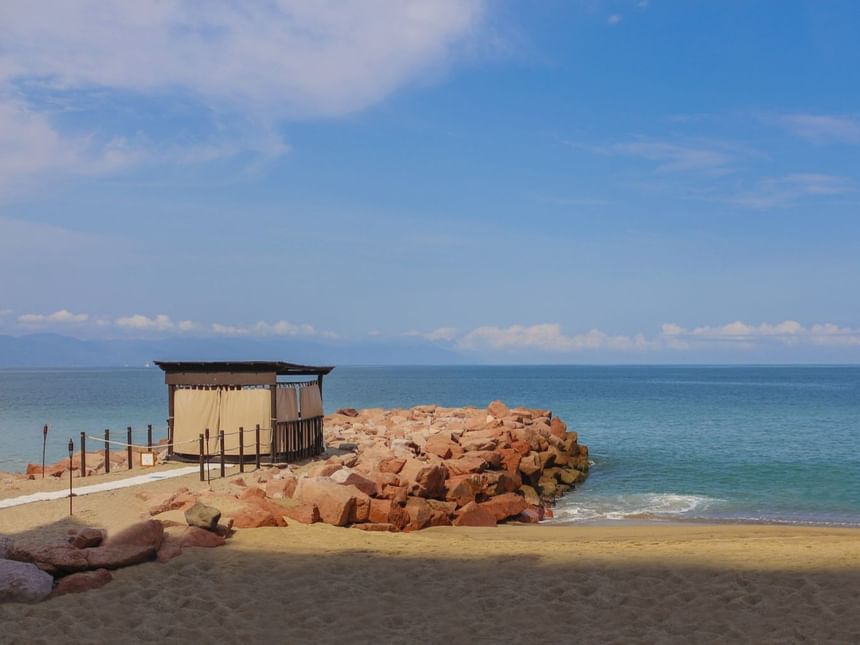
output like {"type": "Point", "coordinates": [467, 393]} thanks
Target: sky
{"type": "Point", "coordinates": [632, 181]}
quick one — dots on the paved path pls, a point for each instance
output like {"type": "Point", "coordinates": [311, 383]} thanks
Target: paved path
{"type": "Point", "coordinates": [98, 488]}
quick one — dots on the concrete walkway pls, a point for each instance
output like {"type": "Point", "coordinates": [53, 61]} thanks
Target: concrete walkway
{"type": "Point", "coordinates": [98, 488]}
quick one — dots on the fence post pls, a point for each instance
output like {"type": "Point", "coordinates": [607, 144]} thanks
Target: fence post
{"type": "Point", "coordinates": [107, 450]}
{"type": "Point", "coordinates": [258, 446]}
{"type": "Point", "coordinates": [130, 455]}
{"type": "Point", "coordinates": [222, 454]}
{"type": "Point", "coordinates": [202, 475]}
{"type": "Point", "coordinates": [83, 454]}
{"type": "Point", "coordinates": [241, 449]}
{"type": "Point", "coordinates": [71, 454]}
{"type": "Point", "coordinates": [149, 437]}
{"type": "Point", "coordinates": [44, 446]}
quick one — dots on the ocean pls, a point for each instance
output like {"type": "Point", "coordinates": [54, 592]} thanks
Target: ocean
{"type": "Point", "coordinates": [770, 444]}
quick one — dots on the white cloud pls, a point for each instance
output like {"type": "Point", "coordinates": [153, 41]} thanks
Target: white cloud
{"type": "Point", "coordinates": [710, 157]}
{"type": "Point", "coordinates": [614, 19]}
{"type": "Point", "coordinates": [31, 145]}
{"type": "Point", "coordinates": [822, 128]}
{"type": "Point", "coordinates": [62, 316]}
{"type": "Point", "coordinates": [788, 332]}
{"type": "Point", "coordinates": [546, 337]}
{"type": "Point", "coordinates": [246, 66]}
{"type": "Point", "coordinates": [263, 328]}
{"type": "Point", "coordinates": [139, 322]}
{"type": "Point", "coordinates": [775, 192]}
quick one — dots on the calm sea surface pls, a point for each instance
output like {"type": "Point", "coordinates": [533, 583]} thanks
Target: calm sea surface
{"type": "Point", "coordinates": [734, 443]}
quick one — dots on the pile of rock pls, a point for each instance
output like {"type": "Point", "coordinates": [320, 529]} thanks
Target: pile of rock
{"type": "Point", "coordinates": [433, 466]}
{"type": "Point", "coordinates": [32, 572]}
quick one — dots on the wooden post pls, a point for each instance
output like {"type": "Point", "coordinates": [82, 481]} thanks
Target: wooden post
{"type": "Point", "coordinates": [258, 446]}
{"type": "Point", "coordinates": [149, 437]}
{"type": "Point", "coordinates": [130, 454]}
{"type": "Point", "coordinates": [202, 469]}
{"type": "Point", "coordinates": [206, 439]}
{"type": "Point", "coordinates": [44, 446]}
{"type": "Point", "coordinates": [83, 454]}
{"type": "Point", "coordinates": [171, 395]}
{"type": "Point", "coordinates": [273, 389]}
{"type": "Point", "coordinates": [222, 454]}
{"type": "Point", "coordinates": [71, 454]}
{"type": "Point", "coordinates": [241, 449]}
{"type": "Point", "coordinates": [107, 451]}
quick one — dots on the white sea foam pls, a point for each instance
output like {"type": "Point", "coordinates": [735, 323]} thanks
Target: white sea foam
{"type": "Point", "coordinates": [633, 506]}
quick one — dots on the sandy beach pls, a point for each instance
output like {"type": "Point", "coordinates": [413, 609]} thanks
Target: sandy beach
{"type": "Point", "coordinates": [619, 583]}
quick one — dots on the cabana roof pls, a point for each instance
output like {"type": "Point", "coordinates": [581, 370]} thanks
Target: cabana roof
{"type": "Point", "coordinates": [234, 372]}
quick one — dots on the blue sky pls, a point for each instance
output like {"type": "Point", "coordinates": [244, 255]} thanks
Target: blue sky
{"type": "Point", "coordinates": [617, 181]}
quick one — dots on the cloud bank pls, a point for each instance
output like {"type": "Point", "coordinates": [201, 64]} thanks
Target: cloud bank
{"type": "Point", "coordinates": [245, 66]}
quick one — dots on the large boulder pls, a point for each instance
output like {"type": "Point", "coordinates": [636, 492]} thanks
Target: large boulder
{"type": "Point", "coordinates": [6, 546]}
{"type": "Point", "coordinates": [87, 538]}
{"type": "Point", "coordinates": [463, 489]}
{"type": "Point", "coordinates": [23, 582]}
{"type": "Point", "coordinates": [419, 513]}
{"type": "Point", "coordinates": [504, 506]}
{"type": "Point", "coordinates": [424, 479]}
{"type": "Point", "coordinates": [202, 516]}
{"type": "Point", "coordinates": [336, 503]}
{"type": "Point", "coordinates": [473, 515]}
{"type": "Point", "coordinates": [498, 409]}
{"type": "Point", "coordinates": [348, 477]}
{"type": "Point", "coordinates": [83, 581]}
{"type": "Point", "coordinates": [303, 513]}
{"type": "Point", "coordinates": [281, 488]}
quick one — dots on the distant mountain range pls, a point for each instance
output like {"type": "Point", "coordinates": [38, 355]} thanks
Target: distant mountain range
{"type": "Point", "coordinates": [54, 350]}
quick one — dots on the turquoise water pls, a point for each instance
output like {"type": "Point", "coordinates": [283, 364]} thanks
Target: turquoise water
{"type": "Point", "coordinates": [734, 443]}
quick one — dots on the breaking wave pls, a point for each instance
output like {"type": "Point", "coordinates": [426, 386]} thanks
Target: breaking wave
{"type": "Point", "coordinates": [637, 506]}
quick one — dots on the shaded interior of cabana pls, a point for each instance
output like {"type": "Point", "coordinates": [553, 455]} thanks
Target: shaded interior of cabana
{"type": "Point", "coordinates": [283, 399]}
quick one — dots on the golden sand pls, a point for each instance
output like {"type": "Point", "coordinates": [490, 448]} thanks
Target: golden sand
{"type": "Point", "coordinates": [647, 583]}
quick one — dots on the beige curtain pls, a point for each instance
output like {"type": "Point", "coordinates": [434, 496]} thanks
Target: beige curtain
{"type": "Point", "coordinates": [287, 405]}
{"type": "Point", "coordinates": [246, 408]}
{"type": "Point", "coordinates": [193, 412]}
{"type": "Point", "coordinates": [311, 401]}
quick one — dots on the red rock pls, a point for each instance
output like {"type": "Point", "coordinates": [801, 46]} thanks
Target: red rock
{"type": "Point", "coordinates": [395, 493]}
{"type": "Point", "coordinates": [504, 506]}
{"type": "Point", "coordinates": [53, 558]}
{"type": "Point", "coordinates": [84, 581]}
{"type": "Point", "coordinates": [147, 533]}
{"type": "Point", "coordinates": [348, 412]}
{"type": "Point", "coordinates": [87, 538]}
{"type": "Point", "coordinates": [347, 477]}
{"type": "Point", "coordinates": [182, 499]}
{"type": "Point", "coordinates": [473, 515]}
{"type": "Point", "coordinates": [491, 458]}
{"type": "Point", "coordinates": [530, 464]}
{"type": "Point", "coordinates": [477, 444]}
{"type": "Point", "coordinates": [281, 488]}
{"type": "Point", "coordinates": [254, 517]}
{"type": "Point", "coordinates": [442, 446]}
{"type": "Point", "coordinates": [522, 447]}
{"type": "Point", "coordinates": [254, 492]}
{"type": "Point", "coordinates": [558, 427]}
{"type": "Point", "coordinates": [336, 503]}
{"type": "Point", "coordinates": [327, 470]}
{"type": "Point", "coordinates": [510, 459]}
{"type": "Point", "coordinates": [303, 513]}
{"type": "Point", "coordinates": [494, 482]}
{"type": "Point", "coordinates": [391, 465]}
{"type": "Point", "coordinates": [198, 537]}
{"type": "Point", "coordinates": [465, 465]}
{"type": "Point", "coordinates": [498, 409]}
{"type": "Point", "coordinates": [423, 479]}
{"type": "Point", "coordinates": [419, 513]}
{"type": "Point", "coordinates": [463, 489]}
{"type": "Point", "coordinates": [376, 526]}
{"type": "Point", "coordinates": [529, 516]}
{"type": "Point", "coordinates": [380, 509]}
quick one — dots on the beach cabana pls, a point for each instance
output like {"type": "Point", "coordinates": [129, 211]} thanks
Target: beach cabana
{"type": "Point", "coordinates": [283, 399]}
